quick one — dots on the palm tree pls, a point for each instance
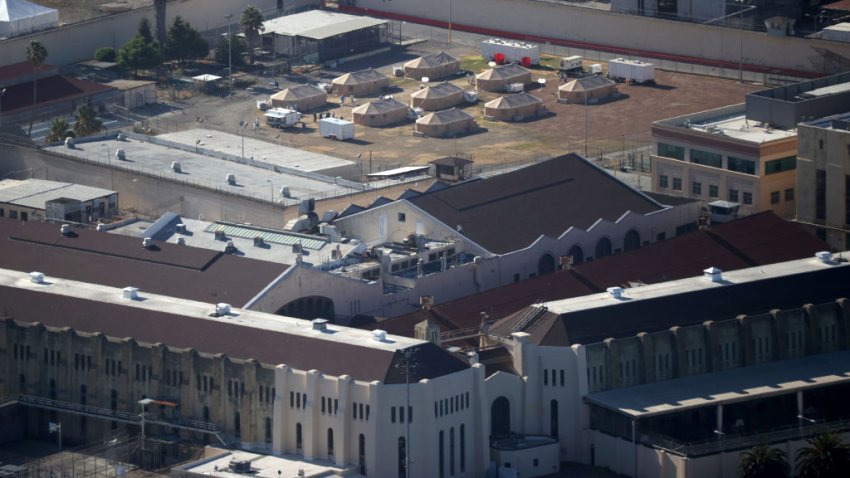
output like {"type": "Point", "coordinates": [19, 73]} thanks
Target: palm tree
{"type": "Point", "coordinates": [763, 461]}
{"type": "Point", "coordinates": [58, 131]}
{"type": "Point", "coordinates": [251, 23]}
{"type": "Point", "coordinates": [827, 456]}
{"type": "Point", "coordinates": [36, 55]}
{"type": "Point", "coordinates": [86, 121]}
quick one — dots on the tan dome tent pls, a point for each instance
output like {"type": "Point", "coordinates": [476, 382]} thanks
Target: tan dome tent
{"type": "Point", "coordinates": [381, 112]}
{"type": "Point", "coordinates": [594, 88]}
{"type": "Point", "coordinates": [437, 97]}
{"type": "Point", "coordinates": [360, 83]}
{"type": "Point", "coordinates": [498, 78]}
{"type": "Point", "coordinates": [514, 107]}
{"type": "Point", "coordinates": [301, 97]}
{"type": "Point", "coordinates": [446, 123]}
{"type": "Point", "coordinates": [434, 66]}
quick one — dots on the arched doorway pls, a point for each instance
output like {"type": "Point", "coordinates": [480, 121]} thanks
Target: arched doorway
{"type": "Point", "coordinates": [603, 248]}
{"type": "Point", "coordinates": [632, 240]}
{"type": "Point", "coordinates": [313, 307]}
{"type": "Point", "coordinates": [546, 264]}
{"type": "Point", "coordinates": [500, 418]}
{"type": "Point", "coordinates": [577, 254]}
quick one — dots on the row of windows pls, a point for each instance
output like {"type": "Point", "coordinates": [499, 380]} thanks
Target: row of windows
{"type": "Point", "coordinates": [266, 394]}
{"type": "Point", "coordinates": [661, 363]}
{"type": "Point", "coordinates": [401, 416]}
{"type": "Point", "coordinates": [297, 400]}
{"type": "Point", "coordinates": [715, 160]}
{"type": "Point", "coordinates": [112, 367]}
{"type": "Point", "coordinates": [449, 405]}
{"type": "Point", "coordinates": [780, 165]}
{"type": "Point", "coordinates": [235, 388]}
{"type": "Point", "coordinates": [789, 196]}
{"type": "Point", "coordinates": [204, 383]}
{"type": "Point", "coordinates": [713, 190]}
{"type": "Point", "coordinates": [143, 373]}
{"type": "Point", "coordinates": [82, 362]}
{"type": "Point", "coordinates": [628, 371]}
{"type": "Point", "coordinates": [52, 355]}
{"type": "Point", "coordinates": [554, 373]}
{"type": "Point", "coordinates": [173, 378]}
{"type": "Point", "coordinates": [20, 352]}
{"type": "Point", "coordinates": [13, 214]}
{"type": "Point", "coordinates": [358, 411]}
{"type": "Point", "coordinates": [694, 357]}
{"type": "Point", "coordinates": [453, 455]}
{"type": "Point", "coordinates": [728, 352]}
{"type": "Point", "coordinates": [596, 376]}
{"type": "Point", "coordinates": [326, 405]}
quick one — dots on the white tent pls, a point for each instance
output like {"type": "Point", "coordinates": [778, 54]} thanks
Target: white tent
{"type": "Point", "coordinates": [19, 17]}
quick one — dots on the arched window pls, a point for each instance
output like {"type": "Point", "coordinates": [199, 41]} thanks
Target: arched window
{"type": "Point", "coordinates": [553, 418]}
{"type": "Point", "coordinates": [577, 254]}
{"type": "Point", "coordinates": [462, 448]}
{"type": "Point", "coordinates": [113, 405]}
{"type": "Point", "coordinates": [83, 394]}
{"type": "Point", "coordinates": [632, 240]}
{"type": "Point", "coordinates": [52, 389]}
{"type": "Point", "coordinates": [402, 458]}
{"type": "Point", "coordinates": [268, 427]}
{"type": "Point", "coordinates": [442, 451]}
{"type": "Point", "coordinates": [452, 451]}
{"type": "Point", "coordinates": [546, 264]}
{"type": "Point", "coordinates": [603, 248]}
{"type": "Point", "coordinates": [22, 383]}
{"type": "Point", "coordinates": [361, 452]}
{"type": "Point", "coordinates": [330, 444]}
{"type": "Point", "coordinates": [298, 441]}
{"type": "Point", "coordinates": [500, 418]}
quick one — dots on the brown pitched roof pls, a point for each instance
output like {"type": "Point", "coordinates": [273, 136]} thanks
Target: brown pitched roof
{"type": "Point", "coordinates": [121, 261]}
{"type": "Point", "coordinates": [545, 198]}
{"type": "Point", "coordinates": [759, 239]}
{"type": "Point", "coordinates": [269, 347]}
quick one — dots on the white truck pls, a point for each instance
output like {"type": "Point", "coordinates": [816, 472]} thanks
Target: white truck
{"type": "Point", "coordinates": [636, 71]}
{"type": "Point", "coordinates": [570, 63]}
{"type": "Point", "coordinates": [282, 117]}
{"type": "Point", "coordinates": [336, 128]}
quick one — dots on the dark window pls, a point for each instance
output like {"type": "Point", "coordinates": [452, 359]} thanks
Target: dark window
{"type": "Point", "coordinates": [780, 165]}
{"type": "Point", "coordinates": [696, 188]}
{"type": "Point", "coordinates": [741, 165]}
{"type": "Point", "coordinates": [268, 429]}
{"type": "Point", "coordinates": [401, 414]}
{"type": "Point", "coordinates": [562, 378]}
{"type": "Point", "coordinates": [516, 277]}
{"type": "Point", "coordinates": [392, 414]}
{"type": "Point", "coordinates": [663, 181]}
{"type": "Point", "coordinates": [705, 158]}
{"type": "Point", "coordinates": [631, 242]}
{"type": "Point", "coordinates": [603, 248]}
{"type": "Point", "coordinates": [402, 457]}
{"type": "Point", "coordinates": [442, 454]}
{"type": "Point", "coordinates": [330, 443]}
{"type": "Point", "coordinates": [409, 414]}
{"type": "Point", "coordinates": [846, 199]}
{"type": "Point", "coordinates": [298, 438]}
{"type": "Point", "coordinates": [748, 198]}
{"type": "Point", "coordinates": [361, 445]}
{"type": "Point", "coordinates": [666, 8]}
{"type": "Point", "coordinates": [789, 194]}
{"type": "Point", "coordinates": [13, 214]}
{"type": "Point", "coordinates": [462, 448]}
{"type": "Point", "coordinates": [401, 217]}
{"type": "Point", "coordinates": [677, 184]}
{"type": "Point", "coordinates": [452, 451]}
{"type": "Point", "coordinates": [713, 191]}
{"type": "Point", "coordinates": [820, 194]}
{"type": "Point", "coordinates": [237, 425]}
{"type": "Point", "coordinates": [24, 216]}
{"type": "Point", "coordinates": [670, 151]}
{"type": "Point", "coordinates": [774, 197]}
{"type": "Point", "coordinates": [553, 418]}
{"type": "Point", "coordinates": [733, 195]}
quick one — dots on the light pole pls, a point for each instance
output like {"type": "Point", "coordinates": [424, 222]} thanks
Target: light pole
{"type": "Point", "coordinates": [271, 190]}
{"type": "Point", "coordinates": [229, 57]}
{"type": "Point", "coordinates": [450, 21]}
{"type": "Point", "coordinates": [740, 41]}
{"type": "Point", "coordinates": [242, 125]}
{"type": "Point", "coordinates": [585, 123]}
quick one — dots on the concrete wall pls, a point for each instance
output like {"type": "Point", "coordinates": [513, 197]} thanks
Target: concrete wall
{"type": "Point", "coordinates": [147, 195]}
{"type": "Point", "coordinates": [630, 34]}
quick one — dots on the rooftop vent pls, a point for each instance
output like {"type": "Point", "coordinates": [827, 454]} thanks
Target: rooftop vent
{"type": "Point", "coordinates": [824, 256]}
{"type": "Point", "coordinates": [181, 228]}
{"type": "Point", "coordinates": [229, 247]}
{"type": "Point", "coordinates": [65, 229]}
{"type": "Point", "coordinates": [131, 293]}
{"type": "Point", "coordinates": [258, 242]}
{"type": "Point", "coordinates": [222, 309]}
{"type": "Point", "coordinates": [100, 227]}
{"type": "Point", "coordinates": [240, 466]}
{"type": "Point", "coordinates": [181, 241]}
{"type": "Point", "coordinates": [379, 335]}
{"type": "Point", "coordinates": [320, 324]}
{"type": "Point", "coordinates": [296, 248]}
{"type": "Point", "coordinates": [616, 292]}
{"type": "Point", "coordinates": [219, 236]}
{"type": "Point", "coordinates": [713, 274]}
{"type": "Point", "coordinates": [37, 277]}
{"type": "Point", "coordinates": [147, 242]}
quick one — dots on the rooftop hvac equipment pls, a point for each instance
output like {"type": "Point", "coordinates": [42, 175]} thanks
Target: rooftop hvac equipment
{"type": "Point", "coordinates": [713, 274]}
{"type": "Point", "coordinates": [37, 277]}
{"type": "Point", "coordinates": [120, 154]}
{"type": "Point", "coordinates": [101, 227]}
{"type": "Point", "coordinates": [824, 256]}
{"type": "Point", "coordinates": [181, 228]}
{"type": "Point", "coordinates": [515, 88]}
{"type": "Point", "coordinates": [229, 247]}
{"type": "Point", "coordinates": [258, 242]}
{"type": "Point", "coordinates": [222, 308]}
{"type": "Point", "coordinates": [631, 70]}
{"type": "Point", "coordinates": [65, 229]}
{"type": "Point", "coordinates": [176, 167]}
{"type": "Point", "coordinates": [398, 71]}
{"type": "Point", "coordinates": [616, 292]}
{"type": "Point", "coordinates": [285, 192]}
{"type": "Point", "coordinates": [379, 335]}
{"type": "Point", "coordinates": [181, 241]}
{"type": "Point", "coordinates": [147, 242]}
{"type": "Point", "coordinates": [131, 293]}
{"type": "Point", "coordinates": [240, 466]}
{"type": "Point", "coordinates": [320, 324]}
{"type": "Point", "coordinates": [121, 136]}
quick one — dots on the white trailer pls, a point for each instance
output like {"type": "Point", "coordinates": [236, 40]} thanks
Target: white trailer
{"type": "Point", "coordinates": [513, 51]}
{"type": "Point", "coordinates": [282, 117]}
{"type": "Point", "coordinates": [631, 70]}
{"type": "Point", "coordinates": [570, 63]}
{"type": "Point", "coordinates": [336, 128]}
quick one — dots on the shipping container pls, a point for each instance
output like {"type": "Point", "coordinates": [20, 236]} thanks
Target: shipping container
{"type": "Point", "coordinates": [631, 70]}
{"type": "Point", "coordinates": [336, 128]}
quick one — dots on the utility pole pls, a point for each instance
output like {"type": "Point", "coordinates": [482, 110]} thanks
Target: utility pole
{"type": "Point", "coordinates": [229, 57]}
{"type": "Point", "coordinates": [585, 123]}
{"type": "Point", "coordinates": [450, 21]}
{"type": "Point", "coordinates": [407, 446]}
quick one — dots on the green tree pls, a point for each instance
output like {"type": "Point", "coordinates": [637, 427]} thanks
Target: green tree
{"type": "Point", "coordinates": [141, 52]}
{"type": "Point", "coordinates": [184, 42]}
{"type": "Point", "coordinates": [238, 49]}
{"type": "Point", "coordinates": [86, 121]}
{"type": "Point", "coordinates": [827, 456]}
{"type": "Point", "coordinates": [251, 23]}
{"type": "Point", "coordinates": [105, 54]}
{"type": "Point", "coordinates": [58, 131]}
{"type": "Point", "coordinates": [36, 56]}
{"type": "Point", "coordinates": [763, 461]}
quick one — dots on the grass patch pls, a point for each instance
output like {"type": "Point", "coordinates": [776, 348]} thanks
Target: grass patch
{"type": "Point", "coordinates": [473, 63]}
{"type": "Point", "coordinates": [549, 62]}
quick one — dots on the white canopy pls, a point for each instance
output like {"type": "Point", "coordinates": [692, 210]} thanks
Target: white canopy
{"type": "Point", "coordinates": [19, 17]}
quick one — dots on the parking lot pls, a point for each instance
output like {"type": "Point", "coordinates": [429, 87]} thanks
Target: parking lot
{"type": "Point", "coordinates": [619, 123]}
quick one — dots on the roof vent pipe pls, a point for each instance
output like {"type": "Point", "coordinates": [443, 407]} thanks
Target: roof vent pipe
{"type": "Point", "coordinates": [37, 277]}
{"type": "Point", "coordinates": [824, 256]}
{"type": "Point", "coordinates": [713, 274]}
{"type": "Point", "coordinates": [146, 242]}
{"type": "Point", "coordinates": [65, 229]}
{"type": "Point", "coordinates": [616, 292]}
{"type": "Point", "coordinates": [320, 324]}
{"type": "Point", "coordinates": [131, 293]}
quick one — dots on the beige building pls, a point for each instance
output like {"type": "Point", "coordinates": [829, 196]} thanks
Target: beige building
{"type": "Point", "coordinates": [590, 89]}
{"type": "Point", "coordinates": [301, 98]}
{"type": "Point", "coordinates": [445, 123]}
{"type": "Point", "coordinates": [497, 79]}
{"type": "Point", "coordinates": [720, 154]}
{"type": "Point", "coordinates": [360, 83]}
{"type": "Point", "coordinates": [381, 112]}
{"type": "Point", "coordinates": [38, 199]}
{"type": "Point", "coordinates": [434, 66]}
{"type": "Point", "coordinates": [516, 107]}
{"type": "Point", "coordinates": [823, 179]}
{"type": "Point", "coordinates": [437, 97]}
